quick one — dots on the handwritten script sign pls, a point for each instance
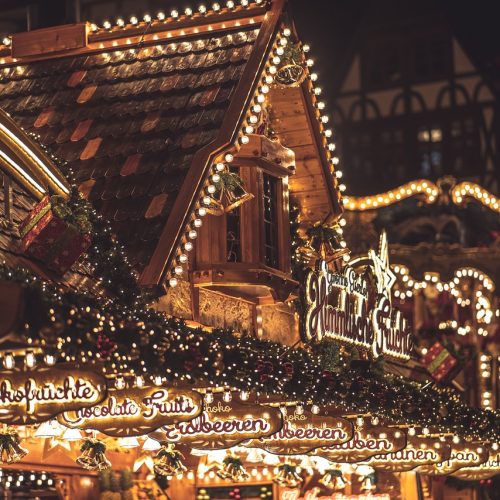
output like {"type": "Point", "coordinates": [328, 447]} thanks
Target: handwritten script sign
{"type": "Point", "coordinates": [134, 412]}
{"type": "Point", "coordinates": [40, 394]}
{"type": "Point", "coordinates": [462, 455]}
{"type": "Point", "coordinates": [489, 469]}
{"type": "Point", "coordinates": [337, 308]}
{"type": "Point", "coordinates": [365, 444]}
{"type": "Point", "coordinates": [418, 451]}
{"type": "Point", "coordinates": [224, 424]}
{"type": "Point", "coordinates": [303, 433]}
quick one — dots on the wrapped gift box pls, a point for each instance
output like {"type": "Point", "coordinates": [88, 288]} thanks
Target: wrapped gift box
{"type": "Point", "coordinates": [49, 235]}
{"type": "Point", "coordinates": [439, 361]}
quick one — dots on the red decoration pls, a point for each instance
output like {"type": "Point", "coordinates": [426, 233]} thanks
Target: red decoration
{"type": "Point", "coordinates": [439, 361]}
{"type": "Point", "coordinates": [52, 239]}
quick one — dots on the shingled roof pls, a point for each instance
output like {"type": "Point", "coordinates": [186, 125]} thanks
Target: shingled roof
{"type": "Point", "coordinates": [139, 113]}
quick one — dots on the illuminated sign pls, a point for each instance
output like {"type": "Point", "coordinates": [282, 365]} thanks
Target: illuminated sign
{"type": "Point", "coordinates": [40, 394]}
{"type": "Point", "coordinates": [418, 451]}
{"type": "Point", "coordinates": [223, 424]}
{"type": "Point", "coordinates": [305, 432]}
{"type": "Point", "coordinates": [134, 412]}
{"type": "Point", "coordinates": [462, 455]}
{"type": "Point", "coordinates": [489, 469]}
{"type": "Point", "coordinates": [314, 494]}
{"type": "Point", "coordinates": [364, 445]}
{"type": "Point", "coordinates": [337, 308]}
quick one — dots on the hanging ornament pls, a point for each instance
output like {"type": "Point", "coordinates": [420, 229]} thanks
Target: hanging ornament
{"type": "Point", "coordinates": [229, 194]}
{"type": "Point", "coordinates": [288, 476]}
{"type": "Point", "coordinates": [11, 450]}
{"type": "Point", "coordinates": [92, 457]}
{"type": "Point", "coordinates": [325, 242]}
{"type": "Point", "coordinates": [232, 468]}
{"type": "Point", "coordinates": [333, 479]}
{"type": "Point", "coordinates": [168, 461]}
{"type": "Point", "coordinates": [368, 478]}
{"type": "Point", "coordinates": [291, 70]}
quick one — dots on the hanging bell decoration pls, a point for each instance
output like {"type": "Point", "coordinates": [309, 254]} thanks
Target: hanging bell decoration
{"type": "Point", "coordinates": [291, 70]}
{"type": "Point", "coordinates": [92, 457]}
{"type": "Point", "coordinates": [11, 450]}
{"type": "Point", "coordinates": [288, 476]}
{"type": "Point", "coordinates": [229, 194]}
{"type": "Point", "coordinates": [168, 461]}
{"type": "Point", "coordinates": [334, 480]}
{"type": "Point", "coordinates": [325, 242]}
{"type": "Point", "coordinates": [232, 468]}
{"type": "Point", "coordinates": [369, 482]}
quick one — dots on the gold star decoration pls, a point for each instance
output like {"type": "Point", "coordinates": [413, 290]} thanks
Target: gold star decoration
{"type": "Point", "coordinates": [383, 273]}
{"type": "Point", "coordinates": [53, 445]}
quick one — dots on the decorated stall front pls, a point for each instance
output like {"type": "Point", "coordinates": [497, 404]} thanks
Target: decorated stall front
{"type": "Point", "coordinates": [181, 316]}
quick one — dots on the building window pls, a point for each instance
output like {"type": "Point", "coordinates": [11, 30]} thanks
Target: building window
{"type": "Point", "coordinates": [432, 56]}
{"type": "Point", "coordinates": [233, 235]}
{"type": "Point", "coordinates": [464, 147]}
{"type": "Point", "coordinates": [430, 151]}
{"type": "Point", "coordinates": [271, 220]}
{"type": "Point", "coordinates": [382, 64]}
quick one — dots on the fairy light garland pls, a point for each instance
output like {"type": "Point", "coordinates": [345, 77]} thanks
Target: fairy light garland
{"type": "Point", "coordinates": [248, 127]}
{"type": "Point", "coordinates": [465, 190]}
{"type": "Point", "coordinates": [428, 189]}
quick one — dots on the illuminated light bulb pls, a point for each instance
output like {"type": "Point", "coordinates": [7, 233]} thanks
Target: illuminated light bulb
{"type": "Point", "coordinates": [260, 98]}
{"type": "Point", "coordinates": [273, 70]}
{"type": "Point", "coordinates": [120, 383]}
{"type": "Point", "coordinates": [192, 234]}
{"type": "Point", "coordinates": [314, 77]}
{"type": "Point", "coordinates": [229, 157]}
{"type": "Point", "coordinates": [106, 25]}
{"type": "Point", "coordinates": [253, 119]}
{"type": "Point", "coordinates": [206, 200]}
{"type": "Point", "coordinates": [280, 51]}
{"type": "Point", "coordinates": [315, 409]}
{"type": "Point", "coordinates": [211, 189]}
{"type": "Point", "coordinates": [317, 90]}
{"type": "Point", "coordinates": [479, 450]}
{"type": "Point", "coordinates": [157, 380]}
{"type": "Point", "coordinates": [244, 3]}
{"type": "Point", "coordinates": [134, 20]}
{"type": "Point", "coordinates": [269, 79]}
{"type": "Point", "coordinates": [411, 431]}
{"type": "Point", "coordinates": [202, 9]}
{"type": "Point", "coordinates": [209, 397]}
{"type": "Point", "coordinates": [197, 222]}
{"type": "Point", "coordinates": [120, 22]}
{"type": "Point", "coordinates": [174, 14]}
{"type": "Point", "coordinates": [216, 178]}
{"type": "Point", "coordinates": [183, 258]}
{"type": "Point", "coordinates": [456, 439]}
{"type": "Point", "coordinates": [220, 167]}
{"type": "Point", "coordinates": [230, 4]}
{"type": "Point", "coordinates": [202, 211]}
{"type": "Point", "coordinates": [147, 18]}
{"type": "Point", "coordinates": [328, 132]}
{"type": "Point", "coordinates": [244, 395]}
{"type": "Point", "coordinates": [173, 282]}
{"type": "Point", "coordinates": [397, 434]}
{"type": "Point", "coordinates": [188, 11]}
{"type": "Point", "coordinates": [30, 359]}
{"type": "Point", "coordinates": [227, 396]}
{"type": "Point", "coordinates": [494, 446]}
{"type": "Point", "coordinates": [216, 7]}
{"type": "Point", "coordinates": [360, 421]}
{"type": "Point", "coordinates": [264, 89]}
{"type": "Point", "coordinates": [244, 139]}
{"type": "Point", "coordinates": [287, 32]}
{"type": "Point", "coordinates": [188, 246]}
{"type": "Point", "coordinates": [72, 435]}
{"type": "Point", "coordinates": [160, 16]}
{"type": "Point", "coordinates": [249, 129]}
{"type": "Point", "coordinates": [299, 410]}
{"type": "Point", "coordinates": [139, 381]}
{"type": "Point", "coordinates": [276, 60]}
{"type": "Point", "coordinates": [425, 431]}
{"type": "Point", "coordinates": [49, 359]}
{"type": "Point", "coordinates": [129, 442]}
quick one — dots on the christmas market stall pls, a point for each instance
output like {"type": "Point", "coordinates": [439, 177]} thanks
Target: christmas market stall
{"type": "Point", "coordinates": [181, 316]}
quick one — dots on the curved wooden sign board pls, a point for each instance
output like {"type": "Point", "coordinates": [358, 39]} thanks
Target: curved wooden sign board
{"type": "Point", "coordinates": [40, 394]}
{"type": "Point", "coordinates": [223, 424]}
{"type": "Point", "coordinates": [366, 443]}
{"type": "Point", "coordinates": [462, 455]}
{"type": "Point", "coordinates": [418, 451]}
{"type": "Point", "coordinates": [489, 469]}
{"type": "Point", "coordinates": [303, 433]}
{"type": "Point", "coordinates": [137, 411]}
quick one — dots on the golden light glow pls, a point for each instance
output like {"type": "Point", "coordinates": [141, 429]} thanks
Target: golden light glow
{"type": "Point", "coordinates": [465, 190]}
{"type": "Point", "coordinates": [428, 189]}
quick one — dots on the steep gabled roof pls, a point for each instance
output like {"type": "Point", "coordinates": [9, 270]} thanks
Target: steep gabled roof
{"type": "Point", "coordinates": [141, 113]}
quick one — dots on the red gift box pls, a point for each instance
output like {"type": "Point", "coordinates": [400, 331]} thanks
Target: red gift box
{"type": "Point", "coordinates": [439, 361]}
{"type": "Point", "coordinates": [53, 240]}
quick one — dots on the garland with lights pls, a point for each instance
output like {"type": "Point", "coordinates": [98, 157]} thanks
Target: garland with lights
{"type": "Point", "coordinates": [136, 341]}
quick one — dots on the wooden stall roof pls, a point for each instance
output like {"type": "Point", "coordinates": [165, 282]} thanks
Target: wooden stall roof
{"type": "Point", "coordinates": [139, 115]}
